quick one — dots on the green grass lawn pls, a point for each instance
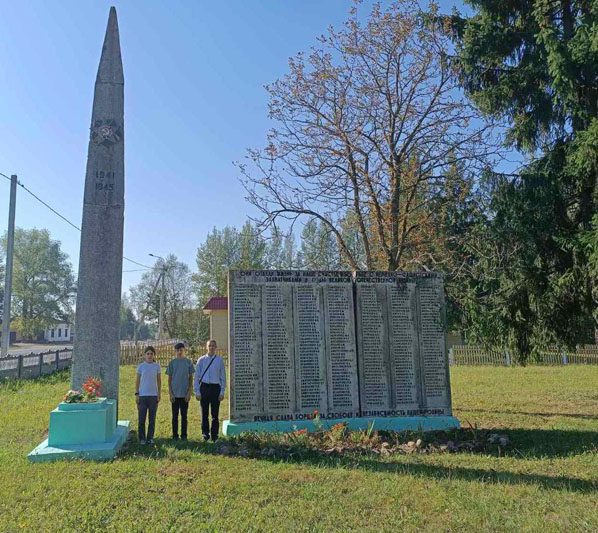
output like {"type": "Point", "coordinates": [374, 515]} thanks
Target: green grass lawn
{"type": "Point", "coordinates": [546, 479]}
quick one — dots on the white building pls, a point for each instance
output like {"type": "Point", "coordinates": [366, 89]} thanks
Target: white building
{"type": "Point", "coordinates": [59, 333]}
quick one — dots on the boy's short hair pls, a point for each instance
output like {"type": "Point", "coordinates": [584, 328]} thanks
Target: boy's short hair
{"type": "Point", "coordinates": [150, 349]}
{"type": "Point", "coordinates": [179, 345]}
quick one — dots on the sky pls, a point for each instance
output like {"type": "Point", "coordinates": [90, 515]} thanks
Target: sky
{"type": "Point", "coordinates": [195, 72]}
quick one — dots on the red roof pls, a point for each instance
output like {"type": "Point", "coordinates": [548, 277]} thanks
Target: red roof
{"type": "Point", "coordinates": [216, 302]}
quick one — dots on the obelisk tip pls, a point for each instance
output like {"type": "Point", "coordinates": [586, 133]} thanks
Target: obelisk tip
{"type": "Point", "coordinates": [111, 69]}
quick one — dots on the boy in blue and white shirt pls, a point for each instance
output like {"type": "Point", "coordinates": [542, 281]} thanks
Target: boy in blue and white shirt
{"type": "Point", "coordinates": [209, 385]}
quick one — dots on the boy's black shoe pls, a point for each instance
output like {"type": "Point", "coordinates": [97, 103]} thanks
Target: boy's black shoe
{"type": "Point", "coordinates": [175, 437]}
{"type": "Point", "coordinates": [183, 438]}
{"type": "Point", "coordinates": [206, 437]}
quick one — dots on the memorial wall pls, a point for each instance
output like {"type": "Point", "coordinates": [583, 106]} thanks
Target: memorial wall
{"type": "Point", "coordinates": [363, 344]}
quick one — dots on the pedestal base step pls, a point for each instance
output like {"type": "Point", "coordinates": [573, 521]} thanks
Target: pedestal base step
{"type": "Point", "coordinates": [398, 423]}
{"type": "Point", "coordinates": [96, 452]}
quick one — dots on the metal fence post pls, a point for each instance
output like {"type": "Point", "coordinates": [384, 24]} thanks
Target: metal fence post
{"type": "Point", "coordinates": [565, 359]}
{"type": "Point", "coordinates": [40, 364]}
{"type": "Point", "coordinates": [451, 357]}
{"type": "Point", "coordinates": [57, 360]}
{"type": "Point", "coordinates": [20, 366]}
{"type": "Point", "coordinates": [507, 358]}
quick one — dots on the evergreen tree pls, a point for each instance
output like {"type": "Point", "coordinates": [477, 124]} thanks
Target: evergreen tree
{"type": "Point", "coordinates": [535, 65]}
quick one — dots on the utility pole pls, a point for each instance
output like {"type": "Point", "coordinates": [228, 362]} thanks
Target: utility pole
{"type": "Point", "coordinates": [10, 242]}
{"type": "Point", "coordinates": [161, 317]}
{"type": "Point", "coordinates": [162, 297]}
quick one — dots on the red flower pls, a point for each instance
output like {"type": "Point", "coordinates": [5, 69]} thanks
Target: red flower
{"type": "Point", "coordinates": [92, 386]}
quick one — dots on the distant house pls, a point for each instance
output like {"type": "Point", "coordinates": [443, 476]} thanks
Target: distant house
{"type": "Point", "coordinates": [59, 333]}
{"type": "Point", "coordinates": [217, 310]}
{"type": "Point", "coordinates": [13, 335]}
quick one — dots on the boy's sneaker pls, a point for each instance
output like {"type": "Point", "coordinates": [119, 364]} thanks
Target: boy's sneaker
{"type": "Point", "coordinates": [142, 442]}
{"type": "Point", "coordinates": [175, 437]}
{"type": "Point", "coordinates": [183, 438]}
{"type": "Point", "coordinates": [150, 441]}
{"type": "Point", "coordinates": [206, 438]}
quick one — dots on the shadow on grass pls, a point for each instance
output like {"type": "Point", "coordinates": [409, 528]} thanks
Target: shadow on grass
{"type": "Point", "coordinates": [490, 475]}
{"type": "Point", "coordinates": [583, 416]}
{"type": "Point", "coordinates": [527, 443]}
{"type": "Point", "coordinates": [163, 447]}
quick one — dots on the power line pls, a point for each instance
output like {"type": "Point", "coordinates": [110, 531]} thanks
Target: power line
{"type": "Point", "coordinates": [48, 206]}
{"type": "Point", "coordinates": [69, 222]}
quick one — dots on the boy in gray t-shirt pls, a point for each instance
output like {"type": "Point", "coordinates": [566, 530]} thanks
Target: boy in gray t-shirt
{"type": "Point", "coordinates": [180, 384]}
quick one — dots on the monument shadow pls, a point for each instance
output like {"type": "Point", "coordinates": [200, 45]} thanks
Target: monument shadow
{"type": "Point", "coordinates": [526, 444]}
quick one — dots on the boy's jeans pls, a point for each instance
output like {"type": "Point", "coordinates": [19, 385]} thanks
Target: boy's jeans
{"type": "Point", "coordinates": [182, 405]}
{"type": "Point", "coordinates": [147, 403]}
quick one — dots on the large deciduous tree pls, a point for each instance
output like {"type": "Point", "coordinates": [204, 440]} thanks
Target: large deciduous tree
{"type": "Point", "coordinates": [43, 282]}
{"type": "Point", "coordinates": [366, 127]}
{"type": "Point", "coordinates": [227, 249]}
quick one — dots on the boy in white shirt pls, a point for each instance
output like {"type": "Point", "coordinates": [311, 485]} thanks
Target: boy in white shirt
{"type": "Point", "coordinates": [147, 392]}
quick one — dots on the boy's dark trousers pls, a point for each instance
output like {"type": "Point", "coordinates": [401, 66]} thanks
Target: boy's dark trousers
{"type": "Point", "coordinates": [147, 403]}
{"type": "Point", "coordinates": [182, 405]}
{"type": "Point", "coordinates": [210, 393]}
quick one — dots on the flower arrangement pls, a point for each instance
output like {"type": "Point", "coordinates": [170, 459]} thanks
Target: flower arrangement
{"type": "Point", "coordinates": [90, 393]}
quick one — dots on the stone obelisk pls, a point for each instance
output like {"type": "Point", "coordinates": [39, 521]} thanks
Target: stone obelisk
{"type": "Point", "coordinates": [97, 319]}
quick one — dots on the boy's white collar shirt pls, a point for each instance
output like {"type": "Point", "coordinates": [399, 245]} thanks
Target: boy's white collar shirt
{"type": "Point", "coordinates": [216, 372]}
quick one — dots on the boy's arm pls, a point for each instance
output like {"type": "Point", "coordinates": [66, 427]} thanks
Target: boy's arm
{"type": "Point", "coordinates": [137, 380]}
{"type": "Point", "coordinates": [189, 387]}
{"type": "Point", "coordinates": [196, 381]}
{"type": "Point", "coordinates": [190, 383]}
{"type": "Point", "coordinates": [170, 388]}
{"type": "Point", "coordinates": [222, 379]}
{"type": "Point", "coordinates": [159, 386]}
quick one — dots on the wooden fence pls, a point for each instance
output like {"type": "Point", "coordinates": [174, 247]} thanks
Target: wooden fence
{"type": "Point", "coordinates": [34, 365]}
{"type": "Point", "coordinates": [479, 355]}
{"type": "Point", "coordinates": [132, 353]}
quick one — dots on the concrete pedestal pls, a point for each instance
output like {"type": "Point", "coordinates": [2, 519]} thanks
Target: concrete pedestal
{"type": "Point", "coordinates": [84, 431]}
{"type": "Point", "coordinates": [398, 423]}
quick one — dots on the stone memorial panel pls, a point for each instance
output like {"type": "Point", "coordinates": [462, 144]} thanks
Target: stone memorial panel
{"type": "Point", "coordinates": [343, 390]}
{"type": "Point", "coordinates": [292, 334]}
{"type": "Point", "coordinates": [373, 348]}
{"type": "Point", "coordinates": [279, 348]}
{"type": "Point", "coordinates": [245, 314]}
{"type": "Point", "coordinates": [310, 348]}
{"type": "Point", "coordinates": [349, 345]}
{"type": "Point", "coordinates": [401, 344]}
{"type": "Point", "coordinates": [432, 341]}
{"type": "Point", "coordinates": [404, 348]}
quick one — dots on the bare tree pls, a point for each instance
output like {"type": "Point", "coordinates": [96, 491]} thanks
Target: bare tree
{"type": "Point", "coordinates": [366, 126]}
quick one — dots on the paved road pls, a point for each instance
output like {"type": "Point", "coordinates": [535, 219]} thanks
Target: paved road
{"type": "Point", "coordinates": [26, 349]}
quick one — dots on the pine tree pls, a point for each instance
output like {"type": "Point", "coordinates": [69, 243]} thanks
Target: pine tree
{"type": "Point", "coordinates": [535, 64]}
